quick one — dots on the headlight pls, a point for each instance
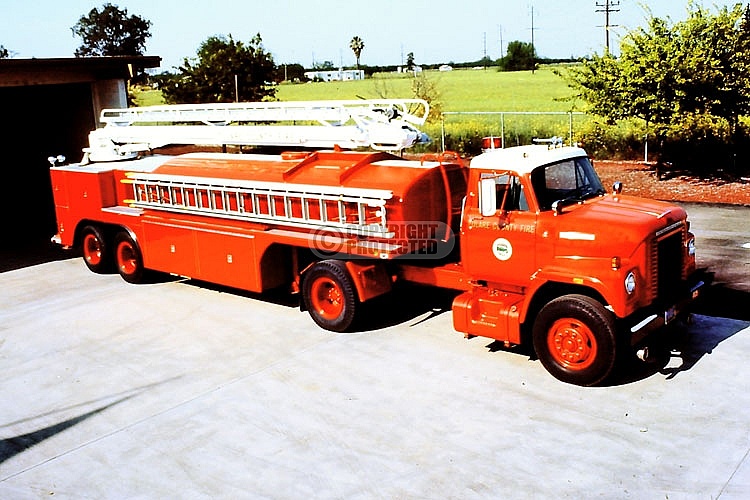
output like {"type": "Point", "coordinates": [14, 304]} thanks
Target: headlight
{"type": "Point", "coordinates": [630, 283]}
{"type": "Point", "coordinates": [690, 244]}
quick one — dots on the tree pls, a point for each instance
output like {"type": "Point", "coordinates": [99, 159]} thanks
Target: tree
{"type": "Point", "coordinates": [290, 72]}
{"type": "Point", "coordinates": [324, 66]}
{"type": "Point", "coordinates": [410, 65]}
{"type": "Point", "coordinates": [424, 88]}
{"type": "Point", "coordinates": [357, 45]}
{"type": "Point", "coordinates": [519, 56]}
{"type": "Point", "coordinates": [688, 81]}
{"type": "Point", "coordinates": [4, 53]}
{"type": "Point", "coordinates": [225, 71]}
{"type": "Point", "coordinates": [111, 32]}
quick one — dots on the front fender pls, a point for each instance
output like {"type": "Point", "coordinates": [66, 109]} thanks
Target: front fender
{"type": "Point", "coordinates": [550, 282]}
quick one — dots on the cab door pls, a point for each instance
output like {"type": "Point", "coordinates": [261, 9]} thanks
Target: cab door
{"type": "Point", "coordinates": [498, 236]}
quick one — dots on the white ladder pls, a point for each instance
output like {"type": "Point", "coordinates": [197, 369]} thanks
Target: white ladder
{"type": "Point", "coordinates": [381, 124]}
{"type": "Point", "coordinates": [350, 211]}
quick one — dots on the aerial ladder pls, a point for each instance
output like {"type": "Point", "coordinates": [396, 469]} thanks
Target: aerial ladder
{"type": "Point", "coordinates": [379, 124]}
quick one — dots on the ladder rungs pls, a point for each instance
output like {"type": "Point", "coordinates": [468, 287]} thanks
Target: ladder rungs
{"type": "Point", "coordinates": [361, 215]}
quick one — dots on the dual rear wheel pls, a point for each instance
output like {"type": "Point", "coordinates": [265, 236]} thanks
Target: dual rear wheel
{"type": "Point", "coordinates": [103, 254]}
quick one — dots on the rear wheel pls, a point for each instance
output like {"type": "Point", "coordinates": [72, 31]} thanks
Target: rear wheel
{"type": "Point", "coordinates": [128, 258]}
{"type": "Point", "coordinates": [575, 340]}
{"type": "Point", "coordinates": [330, 296]}
{"type": "Point", "coordinates": [95, 249]}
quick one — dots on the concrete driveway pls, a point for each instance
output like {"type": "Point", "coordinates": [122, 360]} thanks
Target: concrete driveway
{"type": "Point", "coordinates": [176, 390]}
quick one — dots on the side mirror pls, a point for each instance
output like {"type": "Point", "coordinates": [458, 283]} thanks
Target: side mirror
{"type": "Point", "coordinates": [617, 188]}
{"type": "Point", "coordinates": [487, 197]}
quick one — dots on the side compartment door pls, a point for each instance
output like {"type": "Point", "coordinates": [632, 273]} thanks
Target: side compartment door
{"type": "Point", "coordinates": [228, 259]}
{"type": "Point", "coordinates": [498, 243]}
{"type": "Point", "coordinates": [169, 247]}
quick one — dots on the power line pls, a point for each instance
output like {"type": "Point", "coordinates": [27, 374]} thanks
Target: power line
{"type": "Point", "coordinates": [608, 6]}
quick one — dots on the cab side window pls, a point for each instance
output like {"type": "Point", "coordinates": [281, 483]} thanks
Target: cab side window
{"type": "Point", "coordinates": [509, 194]}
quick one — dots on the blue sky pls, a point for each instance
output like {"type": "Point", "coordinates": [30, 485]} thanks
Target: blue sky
{"type": "Point", "coordinates": [307, 31]}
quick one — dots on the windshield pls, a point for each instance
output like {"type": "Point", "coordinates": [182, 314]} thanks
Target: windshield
{"type": "Point", "coordinates": [573, 179]}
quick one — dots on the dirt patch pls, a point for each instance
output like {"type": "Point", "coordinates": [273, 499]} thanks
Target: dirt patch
{"type": "Point", "coordinates": [639, 179]}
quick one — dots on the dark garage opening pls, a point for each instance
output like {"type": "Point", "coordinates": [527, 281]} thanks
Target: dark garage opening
{"type": "Point", "coordinates": [46, 121]}
{"type": "Point", "coordinates": [49, 106]}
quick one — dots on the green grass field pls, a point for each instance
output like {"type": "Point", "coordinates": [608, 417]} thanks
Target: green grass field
{"type": "Point", "coordinates": [460, 90]}
{"type": "Point", "coordinates": [466, 90]}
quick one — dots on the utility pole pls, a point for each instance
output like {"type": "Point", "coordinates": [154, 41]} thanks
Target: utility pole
{"type": "Point", "coordinates": [607, 6]}
{"type": "Point", "coordinates": [533, 47]}
{"type": "Point", "coordinates": [484, 42]}
{"type": "Point", "coordinates": [500, 35]}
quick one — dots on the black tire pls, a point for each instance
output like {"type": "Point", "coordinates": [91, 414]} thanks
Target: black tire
{"type": "Point", "coordinates": [128, 258]}
{"type": "Point", "coordinates": [575, 339]}
{"type": "Point", "coordinates": [330, 296]}
{"type": "Point", "coordinates": [95, 249]}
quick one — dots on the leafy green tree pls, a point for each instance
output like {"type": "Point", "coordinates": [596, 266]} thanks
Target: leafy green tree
{"type": "Point", "coordinates": [357, 46]}
{"type": "Point", "coordinates": [689, 81]}
{"type": "Point", "coordinates": [224, 71]}
{"type": "Point", "coordinates": [519, 56]}
{"type": "Point", "coordinates": [290, 72]}
{"type": "Point", "coordinates": [111, 32]}
{"type": "Point", "coordinates": [324, 66]}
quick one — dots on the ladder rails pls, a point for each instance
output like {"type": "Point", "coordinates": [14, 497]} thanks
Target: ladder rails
{"type": "Point", "coordinates": [351, 211]}
{"type": "Point", "coordinates": [381, 124]}
{"type": "Point", "coordinates": [413, 111]}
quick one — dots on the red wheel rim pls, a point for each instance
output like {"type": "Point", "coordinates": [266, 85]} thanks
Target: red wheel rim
{"type": "Point", "coordinates": [572, 344]}
{"type": "Point", "coordinates": [92, 249]}
{"type": "Point", "coordinates": [326, 298]}
{"type": "Point", "coordinates": [126, 258]}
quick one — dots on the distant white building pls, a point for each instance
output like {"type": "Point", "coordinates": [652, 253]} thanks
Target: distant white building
{"type": "Point", "coordinates": [339, 75]}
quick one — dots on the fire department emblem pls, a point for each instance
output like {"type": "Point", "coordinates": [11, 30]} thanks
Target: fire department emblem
{"type": "Point", "coordinates": [502, 249]}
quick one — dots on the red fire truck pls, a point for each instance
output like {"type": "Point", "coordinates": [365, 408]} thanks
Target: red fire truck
{"type": "Point", "coordinates": [534, 247]}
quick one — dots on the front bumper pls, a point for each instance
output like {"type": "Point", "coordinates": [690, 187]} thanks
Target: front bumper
{"type": "Point", "coordinates": [643, 324]}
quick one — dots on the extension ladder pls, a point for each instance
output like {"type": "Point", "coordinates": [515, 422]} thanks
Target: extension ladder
{"type": "Point", "coordinates": [351, 211]}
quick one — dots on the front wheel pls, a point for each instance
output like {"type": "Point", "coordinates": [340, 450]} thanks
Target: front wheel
{"type": "Point", "coordinates": [575, 339]}
{"type": "Point", "coordinates": [128, 258]}
{"type": "Point", "coordinates": [330, 296]}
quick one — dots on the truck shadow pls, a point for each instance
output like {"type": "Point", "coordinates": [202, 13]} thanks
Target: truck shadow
{"type": "Point", "coordinates": [722, 300]}
{"type": "Point", "coordinates": [405, 304]}
{"type": "Point", "coordinates": [717, 316]}
{"type": "Point", "coordinates": [680, 349]}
